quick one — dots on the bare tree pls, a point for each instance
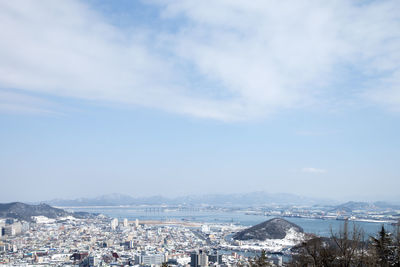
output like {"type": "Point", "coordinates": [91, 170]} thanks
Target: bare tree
{"type": "Point", "coordinates": [348, 245]}
{"type": "Point", "coordinates": [346, 248]}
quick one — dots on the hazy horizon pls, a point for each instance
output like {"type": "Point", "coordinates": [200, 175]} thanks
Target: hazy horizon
{"type": "Point", "coordinates": [176, 98]}
{"type": "Point", "coordinates": [323, 200]}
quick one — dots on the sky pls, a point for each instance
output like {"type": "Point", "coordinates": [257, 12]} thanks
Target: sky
{"type": "Point", "coordinates": [195, 97]}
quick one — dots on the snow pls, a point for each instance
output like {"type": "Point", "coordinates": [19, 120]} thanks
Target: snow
{"type": "Point", "coordinates": [69, 218]}
{"type": "Point", "coordinates": [291, 239]}
{"type": "Point", "coordinates": [43, 219]}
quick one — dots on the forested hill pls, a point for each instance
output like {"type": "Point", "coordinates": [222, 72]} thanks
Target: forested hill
{"type": "Point", "coordinates": [276, 228]}
{"type": "Point", "coordinates": [22, 211]}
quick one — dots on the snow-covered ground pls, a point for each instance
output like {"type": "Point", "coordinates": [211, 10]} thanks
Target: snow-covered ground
{"type": "Point", "coordinates": [291, 239]}
{"type": "Point", "coordinates": [46, 220]}
{"type": "Point", "coordinates": [42, 219]}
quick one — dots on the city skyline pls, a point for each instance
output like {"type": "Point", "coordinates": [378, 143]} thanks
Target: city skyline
{"type": "Point", "coordinates": [176, 98]}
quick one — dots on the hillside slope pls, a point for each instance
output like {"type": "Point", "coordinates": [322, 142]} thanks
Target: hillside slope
{"type": "Point", "coordinates": [276, 228]}
{"type": "Point", "coordinates": [22, 211]}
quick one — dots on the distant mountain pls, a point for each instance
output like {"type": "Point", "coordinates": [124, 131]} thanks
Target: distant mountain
{"type": "Point", "coordinates": [247, 199]}
{"type": "Point", "coordinates": [385, 205]}
{"type": "Point", "coordinates": [109, 200]}
{"type": "Point", "coordinates": [276, 228]}
{"type": "Point", "coordinates": [21, 211]}
{"type": "Point", "coordinates": [353, 206]}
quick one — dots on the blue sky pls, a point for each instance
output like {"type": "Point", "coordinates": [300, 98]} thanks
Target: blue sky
{"type": "Point", "coordinates": [184, 97]}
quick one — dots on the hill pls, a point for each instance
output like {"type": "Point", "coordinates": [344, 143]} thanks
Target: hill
{"type": "Point", "coordinates": [276, 228]}
{"type": "Point", "coordinates": [352, 206]}
{"type": "Point", "coordinates": [22, 211]}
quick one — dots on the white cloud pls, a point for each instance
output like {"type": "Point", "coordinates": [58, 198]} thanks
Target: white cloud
{"type": "Point", "coordinates": [313, 170]}
{"type": "Point", "coordinates": [226, 60]}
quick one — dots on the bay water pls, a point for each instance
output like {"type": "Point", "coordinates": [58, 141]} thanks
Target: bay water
{"type": "Point", "coordinates": [321, 227]}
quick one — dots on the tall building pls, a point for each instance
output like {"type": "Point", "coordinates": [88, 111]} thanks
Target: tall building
{"type": "Point", "coordinates": [194, 259]}
{"type": "Point", "coordinates": [215, 257]}
{"type": "Point", "coordinates": [114, 223]}
{"type": "Point", "coordinates": [203, 259]}
{"type": "Point", "coordinates": [137, 223]}
{"type": "Point", "coordinates": [125, 222]}
{"type": "Point", "coordinates": [2, 224]}
{"type": "Point", "coordinates": [3, 247]}
{"type": "Point", "coordinates": [12, 229]}
{"type": "Point", "coordinates": [198, 258]}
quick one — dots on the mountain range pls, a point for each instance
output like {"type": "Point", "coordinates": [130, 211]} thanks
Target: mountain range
{"type": "Point", "coordinates": [246, 199]}
{"type": "Point", "coordinates": [224, 200]}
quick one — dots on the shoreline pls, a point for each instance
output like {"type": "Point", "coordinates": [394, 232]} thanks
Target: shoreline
{"type": "Point", "coordinates": [329, 218]}
{"type": "Point", "coordinates": [158, 222]}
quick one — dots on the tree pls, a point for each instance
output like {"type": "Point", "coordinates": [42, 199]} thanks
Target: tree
{"type": "Point", "coordinates": [383, 248]}
{"type": "Point", "coordinates": [315, 252]}
{"type": "Point", "coordinates": [396, 244]}
{"type": "Point", "coordinates": [346, 248]}
{"type": "Point", "coordinates": [349, 245]}
{"type": "Point", "coordinates": [260, 261]}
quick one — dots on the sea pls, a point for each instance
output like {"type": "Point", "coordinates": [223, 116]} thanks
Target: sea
{"type": "Point", "coordinates": [321, 227]}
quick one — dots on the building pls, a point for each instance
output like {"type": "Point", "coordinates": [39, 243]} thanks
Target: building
{"type": "Point", "coordinates": [215, 257]}
{"type": "Point", "coordinates": [9, 230]}
{"type": "Point", "coordinates": [106, 244]}
{"type": "Point", "coordinates": [205, 228]}
{"type": "Point", "coordinates": [93, 261]}
{"type": "Point", "coordinates": [128, 244]}
{"type": "Point", "coordinates": [198, 258]}
{"type": "Point", "coordinates": [194, 259]}
{"type": "Point", "coordinates": [125, 222]}
{"type": "Point", "coordinates": [150, 259]}
{"type": "Point", "coordinates": [12, 229]}
{"type": "Point", "coordinates": [3, 247]}
{"type": "Point", "coordinates": [114, 224]}
{"type": "Point", "coordinates": [24, 226]}
{"type": "Point", "coordinates": [131, 244]}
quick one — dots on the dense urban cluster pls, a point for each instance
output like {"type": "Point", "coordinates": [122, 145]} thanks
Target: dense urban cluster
{"type": "Point", "coordinates": [100, 241]}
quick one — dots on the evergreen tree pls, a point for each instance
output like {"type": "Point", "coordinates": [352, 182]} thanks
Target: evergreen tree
{"type": "Point", "coordinates": [383, 248]}
{"type": "Point", "coordinates": [396, 245]}
{"type": "Point", "coordinates": [260, 261]}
